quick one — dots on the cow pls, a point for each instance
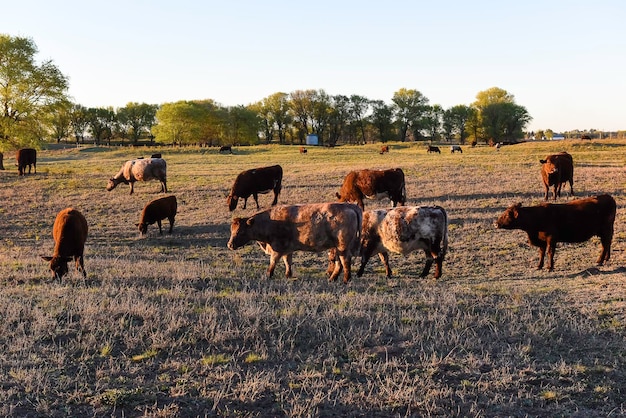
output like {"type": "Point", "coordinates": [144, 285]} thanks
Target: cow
{"type": "Point", "coordinates": [456, 148]}
{"type": "Point", "coordinates": [314, 227]}
{"type": "Point", "coordinates": [384, 149]}
{"type": "Point", "coordinates": [141, 169]}
{"type": "Point", "coordinates": [26, 157]}
{"type": "Point", "coordinates": [156, 211]}
{"type": "Point", "coordinates": [157, 155]}
{"type": "Point", "coordinates": [557, 169]}
{"type": "Point", "coordinates": [252, 182]}
{"type": "Point", "coordinates": [432, 148]}
{"type": "Point", "coordinates": [574, 221]}
{"type": "Point", "coordinates": [403, 230]}
{"type": "Point", "coordinates": [70, 234]}
{"type": "Point", "coordinates": [226, 148]}
{"type": "Point", "coordinates": [373, 184]}
{"type": "Point", "coordinates": [303, 150]}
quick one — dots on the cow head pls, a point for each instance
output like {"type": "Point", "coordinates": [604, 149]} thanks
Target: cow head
{"type": "Point", "coordinates": [111, 184]}
{"type": "Point", "coordinates": [509, 218]}
{"type": "Point", "coordinates": [58, 265]}
{"type": "Point", "coordinates": [231, 201]}
{"type": "Point", "coordinates": [240, 232]}
{"type": "Point", "coordinates": [143, 228]}
{"type": "Point", "coordinates": [549, 166]}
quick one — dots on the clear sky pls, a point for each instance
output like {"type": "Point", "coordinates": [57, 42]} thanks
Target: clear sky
{"type": "Point", "coordinates": [564, 61]}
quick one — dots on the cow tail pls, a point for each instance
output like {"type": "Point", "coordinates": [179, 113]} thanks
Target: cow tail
{"type": "Point", "coordinates": [444, 241]}
{"type": "Point", "coordinates": [356, 250]}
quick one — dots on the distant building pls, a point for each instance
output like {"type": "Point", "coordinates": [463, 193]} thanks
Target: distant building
{"type": "Point", "coordinates": [558, 137]}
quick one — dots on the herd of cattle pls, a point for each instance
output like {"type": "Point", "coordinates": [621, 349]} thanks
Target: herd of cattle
{"type": "Point", "coordinates": [344, 228]}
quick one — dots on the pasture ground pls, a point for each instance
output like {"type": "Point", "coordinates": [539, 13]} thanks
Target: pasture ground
{"type": "Point", "coordinates": [178, 325]}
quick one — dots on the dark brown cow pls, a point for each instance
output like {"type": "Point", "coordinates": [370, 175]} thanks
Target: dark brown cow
{"type": "Point", "coordinates": [252, 182]}
{"type": "Point", "coordinates": [156, 211]}
{"type": "Point", "coordinates": [226, 148]}
{"type": "Point", "coordinates": [141, 169]}
{"type": "Point", "coordinates": [26, 157]}
{"type": "Point", "coordinates": [575, 221]}
{"type": "Point", "coordinates": [557, 169]}
{"type": "Point", "coordinates": [373, 184]}
{"type": "Point", "coordinates": [70, 234]}
{"type": "Point", "coordinates": [432, 148]}
{"type": "Point", "coordinates": [303, 150]}
{"type": "Point", "coordinates": [403, 230]}
{"type": "Point", "coordinates": [384, 149]}
{"type": "Point", "coordinates": [314, 227]}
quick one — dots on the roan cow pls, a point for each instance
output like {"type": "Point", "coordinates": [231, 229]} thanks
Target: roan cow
{"type": "Point", "coordinates": [156, 211]}
{"type": "Point", "coordinates": [254, 182]}
{"type": "Point", "coordinates": [141, 169]}
{"type": "Point", "coordinates": [557, 169]}
{"type": "Point", "coordinates": [70, 234]}
{"type": "Point", "coordinates": [403, 230]}
{"type": "Point", "coordinates": [26, 157]}
{"type": "Point", "coordinates": [456, 148]}
{"type": "Point", "coordinates": [315, 227]}
{"type": "Point", "coordinates": [574, 221]}
{"type": "Point", "coordinates": [373, 184]}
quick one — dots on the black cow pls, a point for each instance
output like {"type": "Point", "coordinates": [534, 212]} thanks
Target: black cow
{"type": "Point", "coordinates": [255, 181]}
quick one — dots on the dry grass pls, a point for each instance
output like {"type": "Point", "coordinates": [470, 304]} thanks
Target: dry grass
{"type": "Point", "coordinates": [179, 325]}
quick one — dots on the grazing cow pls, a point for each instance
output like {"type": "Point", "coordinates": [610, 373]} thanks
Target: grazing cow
{"type": "Point", "coordinates": [557, 169]}
{"type": "Point", "coordinates": [314, 227]}
{"type": "Point", "coordinates": [26, 157]}
{"type": "Point", "coordinates": [384, 149]}
{"type": "Point", "coordinates": [432, 148]}
{"type": "Point", "coordinates": [303, 150]}
{"type": "Point", "coordinates": [69, 233]}
{"type": "Point", "coordinates": [252, 182]}
{"type": "Point", "coordinates": [403, 230]}
{"type": "Point", "coordinates": [141, 169]}
{"type": "Point", "coordinates": [157, 155]}
{"type": "Point", "coordinates": [456, 148]}
{"type": "Point", "coordinates": [498, 146]}
{"type": "Point", "coordinates": [373, 184]}
{"type": "Point", "coordinates": [226, 148]}
{"type": "Point", "coordinates": [156, 211]}
{"type": "Point", "coordinates": [574, 221]}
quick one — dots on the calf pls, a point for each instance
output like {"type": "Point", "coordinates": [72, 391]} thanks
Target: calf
{"type": "Point", "coordinates": [384, 149]}
{"type": "Point", "coordinates": [141, 169]}
{"type": "Point", "coordinates": [373, 184]}
{"type": "Point", "coordinates": [456, 148]}
{"type": "Point", "coordinates": [156, 211]}
{"type": "Point", "coordinates": [70, 234]}
{"type": "Point", "coordinates": [432, 148]}
{"type": "Point", "coordinates": [303, 150]}
{"type": "Point", "coordinates": [403, 230]}
{"type": "Point", "coordinates": [315, 227]}
{"type": "Point", "coordinates": [255, 181]}
{"type": "Point", "coordinates": [26, 157]}
{"type": "Point", "coordinates": [575, 221]}
{"type": "Point", "coordinates": [557, 169]}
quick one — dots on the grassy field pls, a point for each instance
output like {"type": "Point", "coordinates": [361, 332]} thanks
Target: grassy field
{"type": "Point", "coordinates": [178, 325]}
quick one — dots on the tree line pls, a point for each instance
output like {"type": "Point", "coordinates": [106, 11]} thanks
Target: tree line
{"type": "Point", "coordinates": [35, 108]}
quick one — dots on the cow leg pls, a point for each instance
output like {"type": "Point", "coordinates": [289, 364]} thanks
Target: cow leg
{"type": "Point", "coordinates": [346, 263]}
{"type": "Point", "coordinates": [256, 200]}
{"type": "Point", "coordinates": [429, 263]}
{"type": "Point", "coordinates": [551, 250]}
{"type": "Point", "coordinates": [160, 229]}
{"type": "Point", "coordinates": [275, 201]}
{"type": "Point", "coordinates": [245, 202]}
{"type": "Point", "coordinates": [80, 265]}
{"type": "Point", "coordinates": [547, 192]}
{"type": "Point", "coordinates": [287, 259]}
{"type": "Point", "coordinates": [132, 187]}
{"type": "Point", "coordinates": [332, 257]}
{"type": "Point", "coordinates": [339, 261]}
{"type": "Point", "coordinates": [542, 254]}
{"type": "Point", "coordinates": [163, 186]}
{"type": "Point", "coordinates": [606, 249]}
{"type": "Point", "coordinates": [384, 258]}
{"type": "Point", "coordinates": [171, 223]}
{"type": "Point", "coordinates": [438, 266]}
{"type": "Point", "coordinates": [571, 187]}
{"type": "Point", "coordinates": [274, 256]}
{"type": "Point", "coordinates": [366, 252]}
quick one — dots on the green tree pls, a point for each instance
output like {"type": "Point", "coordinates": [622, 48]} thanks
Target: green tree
{"type": "Point", "coordinates": [382, 119]}
{"type": "Point", "coordinates": [273, 112]}
{"type": "Point", "coordinates": [136, 119]}
{"type": "Point", "coordinates": [100, 122]}
{"type": "Point", "coordinates": [432, 120]}
{"type": "Point", "coordinates": [180, 123]}
{"type": "Point", "coordinates": [29, 92]}
{"type": "Point", "coordinates": [499, 117]}
{"type": "Point", "coordinates": [242, 126]}
{"type": "Point", "coordinates": [359, 107]}
{"type": "Point", "coordinates": [78, 122]}
{"type": "Point", "coordinates": [301, 108]}
{"type": "Point", "coordinates": [409, 107]}
{"type": "Point", "coordinates": [457, 121]}
{"type": "Point", "coordinates": [60, 120]}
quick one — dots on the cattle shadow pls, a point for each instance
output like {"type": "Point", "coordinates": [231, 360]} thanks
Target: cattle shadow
{"type": "Point", "coordinates": [595, 271]}
{"type": "Point", "coordinates": [183, 236]}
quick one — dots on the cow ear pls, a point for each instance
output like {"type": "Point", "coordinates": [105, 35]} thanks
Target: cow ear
{"type": "Point", "coordinates": [250, 221]}
{"type": "Point", "coordinates": [542, 161]}
{"type": "Point", "coordinates": [338, 195]}
{"type": "Point", "coordinates": [136, 224]}
{"type": "Point", "coordinates": [46, 258]}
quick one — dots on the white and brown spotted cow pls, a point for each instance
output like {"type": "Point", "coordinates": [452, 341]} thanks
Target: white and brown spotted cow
{"type": "Point", "coordinates": [404, 230]}
{"type": "Point", "coordinates": [315, 227]}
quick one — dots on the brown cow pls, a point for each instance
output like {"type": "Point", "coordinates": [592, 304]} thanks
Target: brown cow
{"type": "Point", "coordinates": [314, 227]}
{"type": "Point", "coordinates": [432, 148]}
{"type": "Point", "coordinates": [574, 221]}
{"type": "Point", "coordinates": [141, 169]}
{"type": "Point", "coordinates": [303, 150]}
{"type": "Point", "coordinates": [252, 182]}
{"type": "Point", "coordinates": [373, 184]}
{"type": "Point", "coordinates": [26, 157]}
{"type": "Point", "coordinates": [70, 234]}
{"type": "Point", "coordinates": [156, 211]}
{"type": "Point", "coordinates": [403, 230]}
{"type": "Point", "coordinates": [557, 169]}
{"type": "Point", "coordinates": [384, 149]}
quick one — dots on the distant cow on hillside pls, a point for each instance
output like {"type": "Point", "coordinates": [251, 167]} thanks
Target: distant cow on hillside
{"type": "Point", "coordinates": [557, 169]}
{"type": "Point", "coordinates": [226, 148]}
{"type": "Point", "coordinates": [432, 148]}
{"type": "Point", "coordinates": [384, 149]}
{"type": "Point", "coordinates": [254, 182]}
{"type": "Point", "coordinates": [456, 148]}
{"type": "Point", "coordinates": [373, 184]}
{"type": "Point", "coordinates": [26, 157]}
{"type": "Point", "coordinates": [303, 150]}
{"type": "Point", "coordinates": [575, 221]}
